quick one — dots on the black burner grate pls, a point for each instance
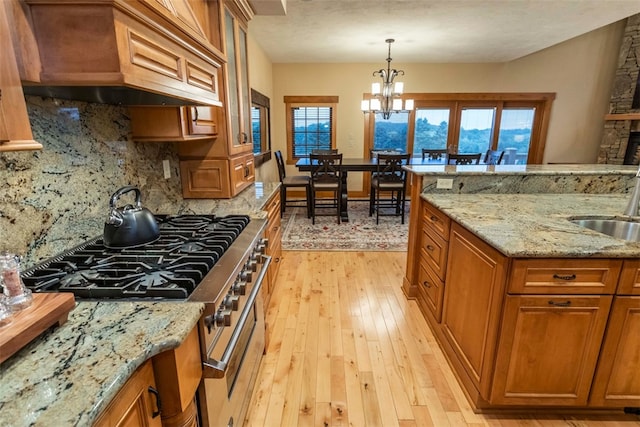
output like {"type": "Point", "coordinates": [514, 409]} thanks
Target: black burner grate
{"type": "Point", "coordinates": [168, 268]}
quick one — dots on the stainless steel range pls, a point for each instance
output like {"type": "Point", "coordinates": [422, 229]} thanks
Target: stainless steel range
{"type": "Point", "coordinates": [219, 261]}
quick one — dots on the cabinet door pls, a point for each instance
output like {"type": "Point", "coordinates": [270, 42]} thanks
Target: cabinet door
{"type": "Point", "coordinates": [135, 404]}
{"type": "Point", "coordinates": [242, 173]}
{"type": "Point", "coordinates": [202, 121]}
{"type": "Point", "coordinates": [548, 349]}
{"type": "Point", "coordinates": [473, 293]}
{"type": "Point", "coordinates": [630, 278]}
{"type": "Point", "coordinates": [238, 105]}
{"type": "Point", "coordinates": [15, 129]}
{"type": "Point", "coordinates": [617, 380]}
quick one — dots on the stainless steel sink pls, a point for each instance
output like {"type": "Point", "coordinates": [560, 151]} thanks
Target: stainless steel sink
{"type": "Point", "coordinates": [619, 228]}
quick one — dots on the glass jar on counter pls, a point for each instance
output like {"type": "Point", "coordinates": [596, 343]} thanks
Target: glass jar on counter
{"type": "Point", "coordinates": [18, 297]}
{"type": "Point", "coordinates": [5, 312]}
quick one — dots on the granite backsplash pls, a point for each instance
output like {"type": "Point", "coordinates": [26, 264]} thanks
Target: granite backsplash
{"type": "Point", "coordinates": [56, 198]}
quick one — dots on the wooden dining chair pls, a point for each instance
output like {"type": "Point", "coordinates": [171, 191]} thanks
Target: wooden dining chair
{"type": "Point", "coordinates": [326, 176]}
{"type": "Point", "coordinates": [296, 181]}
{"type": "Point", "coordinates": [389, 186]}
{"type": "Point", "coordinates": [464, 159]}
{"type": "Point", "coordinates": [430, 154]}
{"type": "Point", "coordinates": [493, 157]}
{"type": "Point", "coordinates": [329, 151]}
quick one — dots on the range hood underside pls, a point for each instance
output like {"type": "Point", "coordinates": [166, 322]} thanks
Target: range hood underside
{"type": "Point", "coordinates": [115, 95]}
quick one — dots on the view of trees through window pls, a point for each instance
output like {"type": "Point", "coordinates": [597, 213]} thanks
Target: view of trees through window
{"type": "Point", "coordinates": [477, 127]}
{"type": "Point", "coordinates": [311, 130]}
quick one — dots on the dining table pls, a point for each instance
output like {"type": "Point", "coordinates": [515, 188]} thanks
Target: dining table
{"type": "Point", "coordinates": [356, 165]}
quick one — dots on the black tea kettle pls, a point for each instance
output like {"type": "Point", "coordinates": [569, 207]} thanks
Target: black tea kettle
{"type": "Point", "coordinates": [129, 225]}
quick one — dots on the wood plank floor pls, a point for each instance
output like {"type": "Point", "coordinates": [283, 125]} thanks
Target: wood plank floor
{"type": "Point", "coordinates": [348, 349]}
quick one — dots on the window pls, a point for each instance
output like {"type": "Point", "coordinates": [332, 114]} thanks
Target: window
{"type": "Point", "coordinates": [391, 135]}
{"type": "Point", "coordinates": [311, 124]}
{"type": "Point", "coordinates": [431, 129]}
{"type": "Point", "coordinates": [476, 130]}
{"type": "Point", "coordinates": [260, 127]}
{"type": "Point", "coordinates": [515, 123]}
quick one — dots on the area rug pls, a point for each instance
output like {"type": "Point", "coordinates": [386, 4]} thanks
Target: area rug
{"type": "Point", "coordinates": [361, 233]}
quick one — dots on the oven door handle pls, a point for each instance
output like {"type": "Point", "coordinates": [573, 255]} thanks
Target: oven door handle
{"type": "Point", "coordinates": [217, 368]}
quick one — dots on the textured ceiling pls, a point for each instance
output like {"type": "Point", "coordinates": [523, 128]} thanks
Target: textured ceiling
{"type": "Point", "coordinates": [427, 31]}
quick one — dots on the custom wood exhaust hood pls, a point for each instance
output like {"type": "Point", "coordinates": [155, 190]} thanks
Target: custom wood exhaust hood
{"type": "Point", "coordinates": [129, 52]}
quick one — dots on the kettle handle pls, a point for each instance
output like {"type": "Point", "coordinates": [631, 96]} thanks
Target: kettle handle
{"type": "Point", "coordinates": [124, 190]}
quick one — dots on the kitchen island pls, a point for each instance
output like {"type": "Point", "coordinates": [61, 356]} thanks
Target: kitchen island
{"type": "Point", "coordinates": [531, 310]}
{"type": "Point", "coordinates": [71, 373]}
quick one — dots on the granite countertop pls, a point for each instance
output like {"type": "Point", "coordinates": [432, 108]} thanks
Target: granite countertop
{"type": "Point", "coordinates": [559, 169]}
{"type": "Point", "coordinates": [69, 374]}
{"type": "Point", "coordinates": [536, 225]}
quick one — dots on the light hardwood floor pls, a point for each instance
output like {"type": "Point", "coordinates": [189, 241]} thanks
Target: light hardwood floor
{"type": "Point", "coordinates": [348, 349]}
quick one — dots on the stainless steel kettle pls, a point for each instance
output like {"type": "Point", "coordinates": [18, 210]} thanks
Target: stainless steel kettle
{"type": "Point", "coordinates": [129, 225]}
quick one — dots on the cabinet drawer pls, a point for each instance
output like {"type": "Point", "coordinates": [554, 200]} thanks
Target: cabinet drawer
{"type": "Point", "coordinates": [434, 250]}
{"type": "Point", "coordinates": [437, 220]}
{"type": "Point", "coordinates": [430, 290]}
{"type": "Point", "coordinates": [564, 276]}
{"type": "Point", "coordinates": [630, 278]}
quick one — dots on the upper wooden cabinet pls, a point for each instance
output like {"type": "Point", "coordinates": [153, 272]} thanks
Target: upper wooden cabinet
{"type": "Point", "coordinates": [151, 46]}
{"type": "Point", "coordinates": [238, 104]}
{"type": "Point", "coordinates": [15, 129]}
{"type": "Point", "coordinates": [160, 124]}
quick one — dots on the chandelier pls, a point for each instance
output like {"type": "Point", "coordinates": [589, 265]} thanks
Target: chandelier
{"type": "Point", "coordinates": [387, 98]}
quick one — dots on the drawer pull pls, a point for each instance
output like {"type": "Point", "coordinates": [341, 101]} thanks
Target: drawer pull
{"type": "Point", "coordinates": [560, 304]}
{"type": "Point", "coordinates": [426, 284]}
{"type": "Point", "coordinates": [567, 277]}
{"type": "Point", "coordinates": [429, 247]}
{"type": "Point", "coordinates": [155, 394]}
{"type": "Point", "coordinates": [434, 218]}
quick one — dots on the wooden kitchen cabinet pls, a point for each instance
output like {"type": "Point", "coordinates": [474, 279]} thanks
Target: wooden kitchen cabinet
{"type": "Point", "coordinates": [136, 404]}
{"type": "Point", "coordinates": [548, 350]}
{"type": "Point", "coordinates": [433, 261]}
{"type": "Point", "coordinates": [15, 128]}
{"type": "Point", "coordinates": [273, 234]}
{"type": "Point", "coordinates": [179, 124]}
{"type": "Point", "coordinates": [630, 278]}
{"type": "Point", "coordinates": [132, 44]}
{"type": "Point", "coordinates": [617, 379]}
{"type": "Point", "coordinates": [473, 295]}
{"type": "Point", "coordinates": [216, 178]}
{"type": "Point", "coordinates": [530, 332]}
{"type": "Point", "coordinates": [238, 105]}
{"type": "Point", "coordinates": [161, 392]}
{"type": "Point", "coordinates": [224, 166]}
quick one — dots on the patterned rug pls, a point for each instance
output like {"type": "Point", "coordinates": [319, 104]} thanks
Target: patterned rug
{"type": "Point", "coordinates": [359, 234]}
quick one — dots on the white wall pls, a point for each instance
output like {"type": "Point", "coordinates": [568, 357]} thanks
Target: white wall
{"type": "Point", "coordinates": [580, 71]}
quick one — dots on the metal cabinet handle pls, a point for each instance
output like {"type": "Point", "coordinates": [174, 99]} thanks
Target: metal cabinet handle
{"type": "Point", "coordinates": [426, 284]}
{"type": "Point", "coordinates": [567, 277]}
{"type": "Point", "coordinates": [155, 393]}
{"type": "Point", "coordinates": [431, 248]}
{"type": "Point", "coordinates": [434, 218]}
{"type": "Point", "coordinates": [195, 114]}
{"type": "Point", "coordinates": [560, 304]}
{"type": "Point", "coordinates": [218, 368]}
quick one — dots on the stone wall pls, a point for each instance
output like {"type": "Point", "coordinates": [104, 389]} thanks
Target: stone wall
{"type": "Point", "coordinates": [616, 132]}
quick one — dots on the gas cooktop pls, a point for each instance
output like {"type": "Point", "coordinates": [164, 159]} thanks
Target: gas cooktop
{"type": "Point", "coordinates": [168, 268]}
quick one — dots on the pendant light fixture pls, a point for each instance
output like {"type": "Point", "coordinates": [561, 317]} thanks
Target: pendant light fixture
{"type": "Point", "coordinates": [387, 97]}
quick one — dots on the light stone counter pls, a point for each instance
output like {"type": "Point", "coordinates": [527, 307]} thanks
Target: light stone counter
{"type": "Point", "coordinates": [536, 225]}
{"type": "Point", "coordinates": [67, 376]}
{"type": "Point", "coordinates": [584, 178]}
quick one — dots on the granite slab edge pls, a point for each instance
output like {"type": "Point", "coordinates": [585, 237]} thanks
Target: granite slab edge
{"type": "Point", "coordinates": [538, 225]}
{"type": "Point", "coordinates": [70, 374]}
